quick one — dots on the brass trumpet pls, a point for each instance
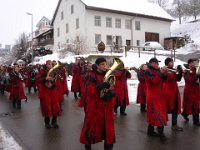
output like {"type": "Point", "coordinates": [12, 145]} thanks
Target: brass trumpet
{"type": "Point", "coordinates": [109, 78]}
{"type": "Point", "coordinates": [53, 72]}
{"type": "Point", "coordinates": [178, 71]}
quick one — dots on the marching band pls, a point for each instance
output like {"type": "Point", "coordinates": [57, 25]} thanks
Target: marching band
{"type": "Point", "coordinates": [101, 90]}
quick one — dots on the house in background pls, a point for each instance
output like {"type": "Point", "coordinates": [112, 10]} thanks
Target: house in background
{"type": "Point", "coordinates": [44, 34]}
{"type": "Point", "coordinates": [118, 22]}
{"type": "Point", "coordinates": [43, 25]}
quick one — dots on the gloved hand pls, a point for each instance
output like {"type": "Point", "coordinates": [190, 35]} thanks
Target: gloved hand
{"type": "Point", "coordinates": [108, 95]}
{"type": "Point", "coordinates": [103, 85]}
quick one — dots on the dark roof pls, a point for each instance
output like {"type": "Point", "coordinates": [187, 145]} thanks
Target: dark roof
{"type": "Point", "coordinates": [44, 33]}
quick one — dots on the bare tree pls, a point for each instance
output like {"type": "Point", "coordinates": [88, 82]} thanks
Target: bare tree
{"type": "Point", "coordinates": [161, 3]}
{"type": "Point", "coordinates": [192, 8]}
{"type": "Point", "coordinates": [179, 9]}
{"type": "Point", "coordinates": [21, 46]}
{"type": "Point", "coordinates": [77, 46]}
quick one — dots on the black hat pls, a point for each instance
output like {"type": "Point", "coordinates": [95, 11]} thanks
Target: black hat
{"type": "Point", "coordinates": [168, 60]}
{"type": "Point", "coordinates": [154, 60]}
{"type": "Point", "coordinates": [191, 60]}
{"type": "Point", "coordinates": [100, 60]}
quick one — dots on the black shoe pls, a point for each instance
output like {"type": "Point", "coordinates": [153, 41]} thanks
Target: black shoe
{"type": "Point", "coordinates": [55, 125]}
{"type": "Point", "coordinates": [196, 124]}
{"type": "Point", "coordinates": [47, 126]}
{"type": "Point", "coordinates": [185, 117]}
{"type": "Point", "coordinates": [154, 134]}
{"type": "Point", "coordinates": [35, 90]}
{"type": "Point", "coordinates": [163, 138]}
{"type": "Point", "coordinates": [88, 147]}
{"type": "Point", "coordinates": [123, 114]}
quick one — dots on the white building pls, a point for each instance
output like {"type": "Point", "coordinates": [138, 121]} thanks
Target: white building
{"type": "Point", "coordinates": [119, 22]}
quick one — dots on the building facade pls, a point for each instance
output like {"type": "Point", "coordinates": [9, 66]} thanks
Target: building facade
{"type": "Point", "coordinates": [92, 23]}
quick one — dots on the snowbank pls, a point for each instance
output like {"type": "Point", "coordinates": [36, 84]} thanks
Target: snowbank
{"type": "Point", "coordinates": [7, 142]}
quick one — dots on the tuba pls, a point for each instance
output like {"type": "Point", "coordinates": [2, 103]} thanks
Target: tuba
{"type": "Point", "coordinates": [54, 72]}
{"type": "Point", "coordinates": [109, 78]}
{"type": "Point", "coordinates": [198, 70]}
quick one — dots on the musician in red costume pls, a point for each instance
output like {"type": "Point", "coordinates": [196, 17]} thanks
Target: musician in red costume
{"type": "Point", "coordinates": [31, 78]}
{"type": "Point", "coordinates": [50, 95]}
{"type": "Point", "coordinates": [191, 97]}
{"type": "Point", "coordinates": [16, 91]}
{"type": "Point", "coordinates": [156, 109]}
{"type": "Point", "coordinates": [83, 99]}
{"type": "Point", "coordinates": [75, 87]}
{"type": "Point", "coordinates": [121, 90]}
{"type": "Point", "coordinates": [141, 91]}
{"type": "Point", "coordinates": [99, 117]}
{"type": "Point", "coordinates": [171, 92]}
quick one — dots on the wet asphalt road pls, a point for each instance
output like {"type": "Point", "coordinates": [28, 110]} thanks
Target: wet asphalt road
{"type": "Point", "coordinates": [27, 127]}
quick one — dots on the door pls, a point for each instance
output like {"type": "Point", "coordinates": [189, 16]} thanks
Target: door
{"type": "Point", "coordinates": [149, 36]}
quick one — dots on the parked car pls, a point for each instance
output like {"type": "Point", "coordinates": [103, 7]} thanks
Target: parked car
{"type": "Point", "coordinates": [151, 46]}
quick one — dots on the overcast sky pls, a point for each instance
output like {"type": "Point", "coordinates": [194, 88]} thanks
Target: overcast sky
{"type": "Point", "coordinates": [14, 20]}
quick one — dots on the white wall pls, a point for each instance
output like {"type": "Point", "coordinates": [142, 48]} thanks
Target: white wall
{"type": "Point", "coordinates": [87, 29]}
{"type": "Point", "coordinates": [79, 12]}
{"type": "Point", "coordinates": [150, 25]}
{"type": "Point", "coordinates": [147, 25]}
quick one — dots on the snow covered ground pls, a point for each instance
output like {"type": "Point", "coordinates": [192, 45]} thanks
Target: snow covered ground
{"type": "Point", "coordinates": [7, 142]}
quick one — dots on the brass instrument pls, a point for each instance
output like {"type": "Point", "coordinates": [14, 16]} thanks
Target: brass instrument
{"type": "Point", "coordinates": [198, 71]}
{"type": "Point", "coordinates": [53, 72]}
{"type": "Point", "coordinates": [177, 71]}
{"type": "Point", "coordinates": [109, 78]}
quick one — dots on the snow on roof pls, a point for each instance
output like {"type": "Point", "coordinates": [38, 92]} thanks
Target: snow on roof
{"type": "Point", "coordinates": [141, 7]}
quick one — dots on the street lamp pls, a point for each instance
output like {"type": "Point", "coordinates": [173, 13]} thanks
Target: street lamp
{"type": "Point", "coordinates": [30, 14]}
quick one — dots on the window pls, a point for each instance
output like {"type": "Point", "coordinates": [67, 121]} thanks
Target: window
{"type": "Point", "coordinates": [77, 23]}
{"type": "Point", "coordinates": [72, 9]}
{"type": "Point", "coordinates": [67, 28]}
{"type": "Point", "coordinates": [128, 24]}
{"type": "Point", "coordinates": [62, 15]}
{"type": "Point", "coordinates": [97, 21]}
{"type": "Point", "coordinates": [109, 39]}
{"type": "Point", "coordinates": [108, 22]}
{"type": "Point", "coordinates": [58, 32]}
{"type": "Point", "coordinates": [97, 38]}
{"type": "Point", "coordinates": [137, 25]}
{"type": "Point", "coordinates": [118, 23]}
{"type": "Point", "coordinates": [138, 42]}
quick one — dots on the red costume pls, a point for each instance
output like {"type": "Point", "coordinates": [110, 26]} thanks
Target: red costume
{"type": "Point", "coordinates": [75, 87]}
{"type": "Point", "coordinates": [156, 108]}
{"type": "Point", "coordinates": [31, 79]}
{"type": "Point", "coordinates": [141, 91]}
{"type": "Point", "coordinates": [16, 91]}
{"type": "Point", "coordinates": [99, 117]}
{"type": "Point", "coordinates": [171, 92]}
{"type": "Point", "coordinates": [49, 97]}
{"type": "Point", "coordinates": [121, 88]}
{"type": "Point", "coordinates": [191, 98]}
